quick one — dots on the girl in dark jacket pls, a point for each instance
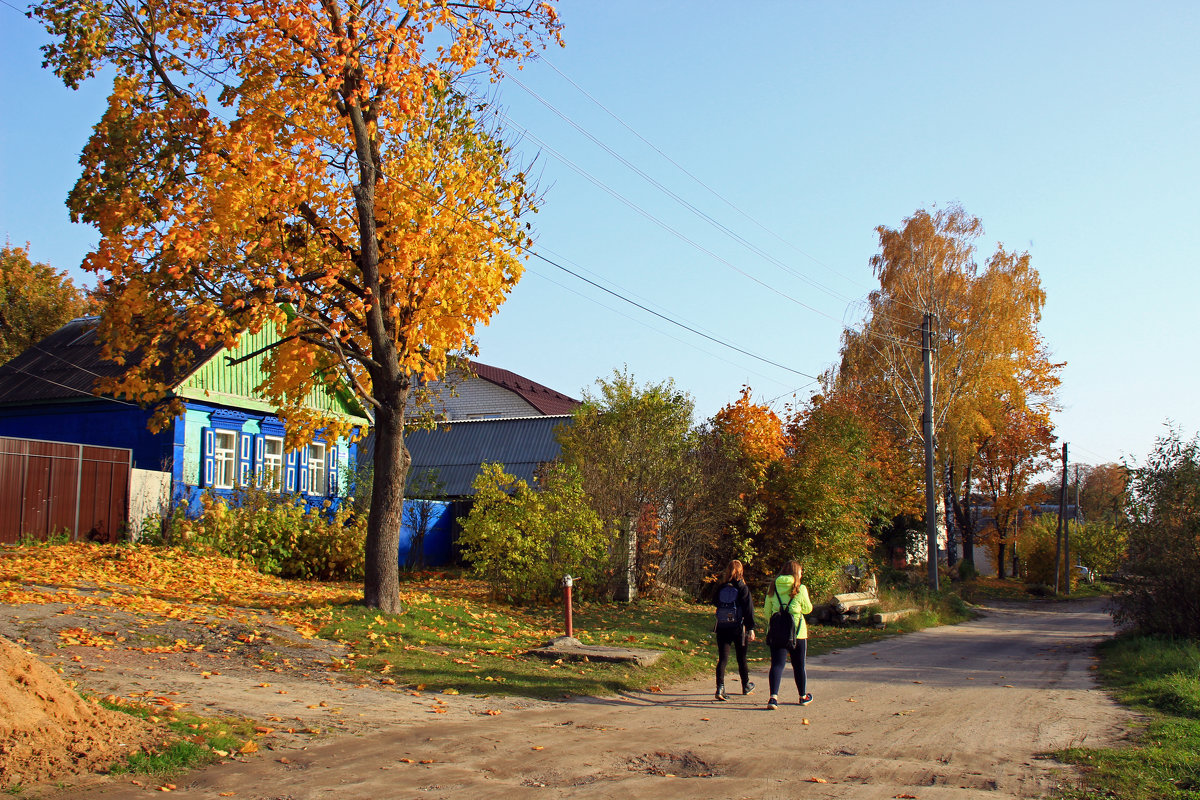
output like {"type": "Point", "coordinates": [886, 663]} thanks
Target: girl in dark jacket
{"type": "Point", "coordinates": [735, 625]}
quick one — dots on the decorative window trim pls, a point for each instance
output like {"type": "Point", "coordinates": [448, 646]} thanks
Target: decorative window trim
{"type": "Point", "coordinates": [317, 468]}
{"type": "Point", "coordinates": [224, 459]}
{"type": "Point", "coordinates": [271, 465]}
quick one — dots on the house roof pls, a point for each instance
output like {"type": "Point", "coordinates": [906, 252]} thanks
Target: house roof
{"type": "Point", "coordinates": [63, 366]}
{"type": "Point", "coordinates": [66, 365]}
{"type": "Point", "coordinates": [543, 398]}
{"type": "Point", "coordinates": [455, 450]}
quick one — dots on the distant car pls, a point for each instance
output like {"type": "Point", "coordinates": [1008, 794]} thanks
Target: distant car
{"type": "Point", "coordinates": [1085, 575]}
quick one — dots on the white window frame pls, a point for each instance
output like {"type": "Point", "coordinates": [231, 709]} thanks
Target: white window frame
{"type": "Point", "coordinates": [271, 478]}
{"type": "Point", "coordinates": [224, 457]}
{"type": "Point", "coordinates": [318, 483]}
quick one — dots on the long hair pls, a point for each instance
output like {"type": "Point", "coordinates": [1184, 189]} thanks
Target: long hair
{"type": "Point", "coordinates": [793, 569]}
{"type": "Point", "coordinates": [733, 573]}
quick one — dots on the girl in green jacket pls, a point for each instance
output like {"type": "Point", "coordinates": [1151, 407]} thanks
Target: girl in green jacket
{"type": "Point", "coordinates": [790, 594]}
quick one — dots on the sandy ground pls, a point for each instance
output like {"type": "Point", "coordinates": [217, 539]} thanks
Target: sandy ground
{"type": "Point", "coordinates": [964, 711]}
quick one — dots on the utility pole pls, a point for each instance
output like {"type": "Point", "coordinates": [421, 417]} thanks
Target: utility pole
{"type": "Point", "coordinates": [1079, 515]}
{"type": "Point", "coordinates": [1058, 536]}
{"type": "Point", "coordinates": [927, 430]}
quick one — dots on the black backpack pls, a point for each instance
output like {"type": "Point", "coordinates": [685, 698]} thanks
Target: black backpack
{"type": "Point", "coordinates": [729, 610]}
{"type": "Point", "coordinates": [781, 630]}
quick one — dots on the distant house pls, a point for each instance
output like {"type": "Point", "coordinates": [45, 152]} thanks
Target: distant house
{"type": "Point", "coordinates": [228, 436]}
{"type": "Point", "coordinates": [484, 414]}
{"type": "Point", "coordinates": [984, 518]}
{"type": "Point", "coordinates": [486, 392]}
{"type": "Point", "coordinates": [488, 415]}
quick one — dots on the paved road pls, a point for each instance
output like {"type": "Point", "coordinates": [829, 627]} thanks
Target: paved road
{"type": "Point", "coordinates": [955, 712]}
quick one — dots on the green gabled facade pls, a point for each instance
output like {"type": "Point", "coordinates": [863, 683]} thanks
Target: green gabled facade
{"type": "Point", "coordinates": [219, 381]}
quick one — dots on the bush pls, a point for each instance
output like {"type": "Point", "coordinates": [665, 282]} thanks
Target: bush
{"type": "Point", "coordinates": [1036, 545]}
{"type": "Point", "coordinates": [1163, 592]}
{"type": "Point", "coordinates": [279, 534]}
{"type": "Point", "coordinates": [523, 541]}
{"type": "Point", "coordinates": [967, 570]}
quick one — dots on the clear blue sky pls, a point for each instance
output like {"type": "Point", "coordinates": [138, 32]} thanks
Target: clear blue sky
{"type": "Point", "coordinates": [1071, 129]}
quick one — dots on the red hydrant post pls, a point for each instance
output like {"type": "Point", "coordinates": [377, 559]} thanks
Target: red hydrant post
{"type": "Point", "coordinates": [568, 582]}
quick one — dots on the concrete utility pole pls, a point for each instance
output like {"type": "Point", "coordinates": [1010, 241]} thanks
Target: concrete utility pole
{"type": "Point", "coordinates": [927, 430]}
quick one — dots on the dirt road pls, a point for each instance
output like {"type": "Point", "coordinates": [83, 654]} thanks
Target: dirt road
{"type": "Point", "coordinates": [962, 712]}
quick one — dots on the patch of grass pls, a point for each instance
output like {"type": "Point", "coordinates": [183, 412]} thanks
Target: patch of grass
{"type": "Point", "coordinates": [194, 741]}
{"type": "Point", "coordinates": [451, 636]}
{"type": "Point", "coordinates": [1161, 679]}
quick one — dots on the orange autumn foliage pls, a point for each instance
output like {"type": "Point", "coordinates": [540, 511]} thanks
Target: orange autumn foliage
{"type": "Point", "coordinates": [756, 429]}
{"type": "Point", "coordinates": [307, 165]}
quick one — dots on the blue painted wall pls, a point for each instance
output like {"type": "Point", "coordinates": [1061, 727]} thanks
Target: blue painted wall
{"type": "Point", "coordinates": [437, 539]}
{"type": "Point", "coordinates": [110, 424]}
{"type": "Point", "coordinates": [102, 423]}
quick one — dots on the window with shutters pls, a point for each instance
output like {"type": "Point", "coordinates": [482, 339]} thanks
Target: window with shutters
{"type": "Point", "coordinates": [317, 482]}
{"type": "Point", "coordinates": [224, 459]}
{"type": "Point", "coordinates": [272, 463]}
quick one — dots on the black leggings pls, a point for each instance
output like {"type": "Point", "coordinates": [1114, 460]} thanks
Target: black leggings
{"type": "Point", "coordinates": [779, 657]}
{"type": "Point", "coordinates": [738, 640]}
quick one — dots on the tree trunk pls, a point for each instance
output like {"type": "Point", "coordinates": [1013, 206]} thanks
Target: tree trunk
{"type": "Point", "coordinates": [1000, 558]}
{"type": "Point", "coordinates": [627, 560]}
{"type": "Point", "coordinates": [962, 513]}
{"type": "Point", "coordinates": [381, 584]}
{"type": "Point", "coordinates": [948, 512]}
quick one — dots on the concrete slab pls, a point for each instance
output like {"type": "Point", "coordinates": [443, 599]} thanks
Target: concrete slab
{"type": "Point", "coordinates": [571, 649]}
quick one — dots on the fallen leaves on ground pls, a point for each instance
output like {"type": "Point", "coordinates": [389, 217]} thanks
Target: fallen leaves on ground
{"type": "Point", "coordinates": [161, 581]}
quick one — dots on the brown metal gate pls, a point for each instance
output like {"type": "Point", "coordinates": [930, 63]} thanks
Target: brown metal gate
{"type": "Point", "coordinates": [55, 487]}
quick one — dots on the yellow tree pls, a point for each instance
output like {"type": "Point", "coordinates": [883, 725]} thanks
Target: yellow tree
{"type": "Point", "coordinates": [1017, 446]}
{"type": "Point", "coordinates": [985, 321]}
{"type": "Point", "coordinates": [308, 165]}
{"type": "Point", "coordinates": [35, 299]}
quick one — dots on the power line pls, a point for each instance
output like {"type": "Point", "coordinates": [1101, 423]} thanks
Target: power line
{"type": "Point", "coordinates": [700, 182]}
{"type": "Point", "coordinates": [669, 229]}
{"type": "Point", "coordinates": [665, 318]}
{"type": "Point", "coordinates": [616, 294]}
{"type": "Point", "coordinates": [633, 319]}
{"type": "Point", "coordinates": [674, 196]}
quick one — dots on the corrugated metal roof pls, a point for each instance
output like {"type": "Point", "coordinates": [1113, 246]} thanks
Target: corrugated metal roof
{"type": "Point", "coordinates": [457, 449]}
{"type": "Point", "coordinates": [543, 398]}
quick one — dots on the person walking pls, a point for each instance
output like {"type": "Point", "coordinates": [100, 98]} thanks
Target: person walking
{"type": "Point", "coordinates": [787, 635]}
{"type": "Point", "coordinates": [735, 625]}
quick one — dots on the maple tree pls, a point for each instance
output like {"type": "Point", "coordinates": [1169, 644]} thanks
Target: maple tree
{"type": "Point", "coordinates": [827, 493]}
{"type": "Point", "coordinates": [35, 300]}
{"type": "Point", "coordinates": [311, 166]}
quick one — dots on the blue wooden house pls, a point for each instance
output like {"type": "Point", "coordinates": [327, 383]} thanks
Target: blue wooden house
{"type": "Point", "coordinates": [227, 437]}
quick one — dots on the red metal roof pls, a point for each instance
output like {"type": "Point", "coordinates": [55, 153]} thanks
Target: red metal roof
{"type": "Point", "coordinates": [543, 398]}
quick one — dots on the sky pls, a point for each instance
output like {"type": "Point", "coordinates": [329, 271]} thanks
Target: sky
{"type": "Point", "coordinates": [726, 166]}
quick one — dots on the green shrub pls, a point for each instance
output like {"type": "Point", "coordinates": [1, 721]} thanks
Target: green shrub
{"type": "Point", "coordinates": [1163, 564]}
{"type": "Point", "coordinates": [279, 534]}
{"type": "Point", "coordinates": [523, 541]}
{"type": "Point", "coordinates": [1036, 544]}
